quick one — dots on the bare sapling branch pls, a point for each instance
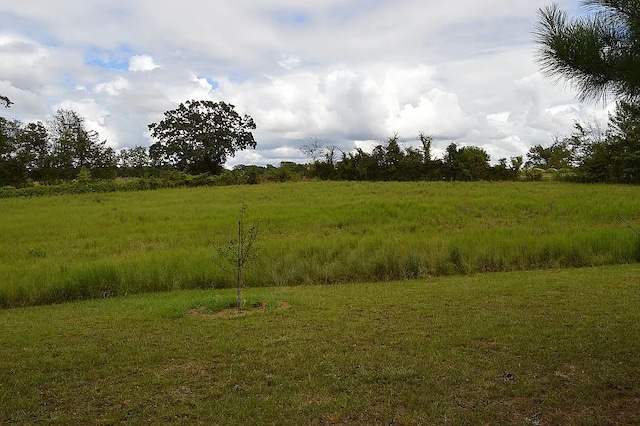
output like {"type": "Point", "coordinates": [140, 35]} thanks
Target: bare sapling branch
{"type": "Point", "coordinates": [628, 225]}
{"type": "Point", "coordinates": [239, 251]}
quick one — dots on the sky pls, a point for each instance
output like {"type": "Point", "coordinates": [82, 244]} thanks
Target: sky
{"type": "Point", "coordinates": [348, 73]}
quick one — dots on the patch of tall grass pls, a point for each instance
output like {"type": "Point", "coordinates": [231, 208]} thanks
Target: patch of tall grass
{"type": "Point", "coordinates": [101, 245]}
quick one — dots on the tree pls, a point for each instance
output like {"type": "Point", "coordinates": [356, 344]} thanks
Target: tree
{"type": "Point", "coordinates": [323, 157]}
{"type": "Point", "coordinates": [198, 136]}
{"type": "Point", "coordinates": [599, 54]}
{"type": "Point", "coordinates": [240, 251]}
{"type": "Point", "coordinates": [9, 166]}
{"type": "Point", "coordinates": [392, 158]}
{"type": "Point", "coordinates": [558, 155]}
{"type": "Point", "coordinates": [133, 161]}
{"type": "Point", "coordinates": [357, 165]}
{"type": "Point", "coordinates": [22, 148]}
{"type": "Point", "coordinates": [616, 158]}
{"type": "Point", "coordinates": [467, 163]}
{"type": "Point", "coordinates": [474, 163]}
{"type": "Point", "coordinates": [516, 164]}
{"type": "Point", "coordinates": [73, 146]}
{"type": "Point", "coordinates": [624, 137]}
{"type": "Point", "coordinates": [314, 150]}
{"type": "Point", "coordinates": [32, 148]}
{"type": "Point", "coordinates": [426, 142]}
{"type": "Point", "coordinates": [6, 101]}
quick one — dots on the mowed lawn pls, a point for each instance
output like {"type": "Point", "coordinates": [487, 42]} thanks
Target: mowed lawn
{"type": "Point", "coordinates": [537, 348]}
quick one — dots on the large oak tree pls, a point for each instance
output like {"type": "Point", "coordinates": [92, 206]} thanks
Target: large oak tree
{"type": "Point", "coordinates": [198, 136]}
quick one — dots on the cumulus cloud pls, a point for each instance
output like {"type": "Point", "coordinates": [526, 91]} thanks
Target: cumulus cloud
{"type": "Point", "coordinates": [142, 63]}
{"type": "Point", "coordinates": [114, 87]}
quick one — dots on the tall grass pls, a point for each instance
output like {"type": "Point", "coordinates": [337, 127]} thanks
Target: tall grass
{"type": "Point", "coordinates": [101, 245]}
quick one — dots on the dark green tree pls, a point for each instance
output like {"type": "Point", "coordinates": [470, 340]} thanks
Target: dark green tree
{"type": "Point", "coordinates": [558, 155]}
{"type": "Point", "coordinates": [6, 101]}
{"type": "Point", "coordinates": [10, 167]}
{"type": "Point", "coordinates": [624, 128]}
{"type": "Point", "coordinates": [357, 165]}
{"type": "Point", "coordinates": [198, 136]}
{"type": "Point", "coordinates": [413, 166]}
{"type": "Point", "coordinates": [393, 159]}
{"type": "Point", "coordinates": [467, 163]}
{"type": "Point", "coordinates": [105, 162]}
{"type": "Point", "coordinates": [426, 142]}
{"type": "Point", "coordinates": [507, 170]}
{"type": "Point", "coordinates": [22, 148]}
{"type": "Point", "coordinates": [32, 149]}
{"type": "Point", "coordinates": [73, 147]}
{"type": "Point", "coordinates": [599, 54]}
{"type": "Point", "coordinates": [616, 158]}
{"type": "Point", "coordinates": [474, 163]}
{"type": "Point", "coordinates": [516, 164]}
{"type": "Point", "coordinates": [326, 169]}
{"type": "Point", "coordinates": [133, 162]}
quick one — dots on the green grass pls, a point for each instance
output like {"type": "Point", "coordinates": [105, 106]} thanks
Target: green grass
{"type": "Point", "coordinates": [71, 247]}
{"type": "Point", "coordinates": [545, 347]}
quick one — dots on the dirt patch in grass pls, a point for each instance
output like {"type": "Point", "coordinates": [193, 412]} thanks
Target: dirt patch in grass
{"type": "Point", "coordinates": [202, 311]}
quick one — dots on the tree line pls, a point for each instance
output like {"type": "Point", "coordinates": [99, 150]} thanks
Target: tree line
{"type": "Point", "coordinates": [63, 150]}
{"type": "Point", "coordinates": [393, 162]}
{"type": "Point", "coordinates": [588, 154]}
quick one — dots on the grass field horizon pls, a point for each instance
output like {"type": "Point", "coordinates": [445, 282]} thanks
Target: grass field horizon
{"type": "Point", "coordinates": [63, 248]}
{"type": "Point", "coordinates": [529, 348]}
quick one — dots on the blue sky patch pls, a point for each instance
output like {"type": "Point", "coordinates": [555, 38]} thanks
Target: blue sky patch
{"type": "Point", "coordinates": [214, 84]}
{"type": "Point", "coordinates": [109, 59]}
{"type": "Point", "coordinates": [349, 10]}
{"type": "Point", "coordinates": [293, 18]}
{"type": "Point", "coordinates": [238, 77]}
{"type": "Point", "coordinates": [68, 81]}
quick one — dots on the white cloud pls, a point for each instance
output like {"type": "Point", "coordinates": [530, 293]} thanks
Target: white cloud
{"type": "Point", "coordinates": [142, 63]}
{"type": "Point", "coordinates": [290, 62]}
{"type": "Point", "coordinates": [113, 88]}
{"type": "Point", "coordinates": [202, 82]}
{"type": "Point", "coordinates": [20, 52]}
{"type": "Point", "coordinates": [437, 111]}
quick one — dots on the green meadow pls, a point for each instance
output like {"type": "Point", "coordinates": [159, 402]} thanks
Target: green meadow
{"type": "Point", "coordinates": [71, 247]}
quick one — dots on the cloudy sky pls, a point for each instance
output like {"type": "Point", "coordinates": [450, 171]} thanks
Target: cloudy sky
{"type": "Point", "coordinates": [350, 73]}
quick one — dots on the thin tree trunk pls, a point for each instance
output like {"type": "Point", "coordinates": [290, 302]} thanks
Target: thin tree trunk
{"type": "Point", "coordinates": [239, 268]}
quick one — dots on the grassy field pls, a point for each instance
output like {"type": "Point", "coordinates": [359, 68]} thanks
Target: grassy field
{"type": "Point", "coordinates": [56, 249]}
{"type": "Point", "coordinates": [523, 348]}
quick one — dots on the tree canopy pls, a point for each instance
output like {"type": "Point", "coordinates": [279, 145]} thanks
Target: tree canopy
{"type": "Point", "coordinates": [74, 147]}
{"type": "Point", "coordinates": [198, 136]}
{"type": "Point", "coordinates": [6, 101]}
{"type": "Point", "coordinates": [599, 54]}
